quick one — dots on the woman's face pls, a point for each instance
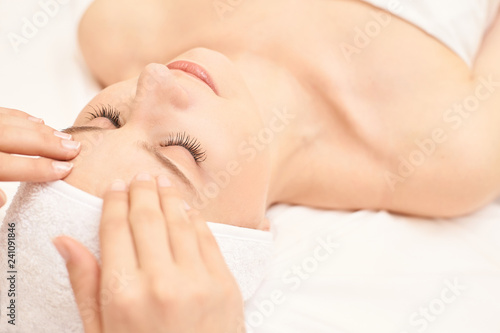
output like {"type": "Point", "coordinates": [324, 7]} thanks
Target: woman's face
{"type": "Point", "coordinates": [198, 132]}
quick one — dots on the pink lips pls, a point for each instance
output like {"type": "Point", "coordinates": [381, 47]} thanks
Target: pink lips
{"type": "Point", "coordinates": [194, 69]}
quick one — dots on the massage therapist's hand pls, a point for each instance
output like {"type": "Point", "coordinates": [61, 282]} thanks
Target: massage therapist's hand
{"type": "Point", "coordinates": [21, 134]}
{"type": "Point", "coordinates": [173, 276]}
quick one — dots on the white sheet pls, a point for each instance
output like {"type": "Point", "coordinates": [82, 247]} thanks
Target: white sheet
{"type": "Point", "coordinates": [382, 268]}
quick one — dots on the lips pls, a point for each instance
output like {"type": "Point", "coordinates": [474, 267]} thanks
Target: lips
{"type": "Point", "coordinates": [195, 70]}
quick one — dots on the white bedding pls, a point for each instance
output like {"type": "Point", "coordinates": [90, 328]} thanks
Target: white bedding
{"type": "Point", "coordinates": [378, 271]}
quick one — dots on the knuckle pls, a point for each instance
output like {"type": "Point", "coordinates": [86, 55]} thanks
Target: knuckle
{"type": "Point", "coordinates": [172, 201]}
{"type": "Point", "coordinates": [161, 294]}
{"type": "Point", "coordinates": [125, 301]}
{"type": "Point", "coordinates": [200, 296]}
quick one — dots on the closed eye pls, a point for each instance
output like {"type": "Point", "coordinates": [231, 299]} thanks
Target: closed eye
{"type": "Point", "coordinates": [109, 112]}
{"type": "Point", "coordinates": [183, 139]}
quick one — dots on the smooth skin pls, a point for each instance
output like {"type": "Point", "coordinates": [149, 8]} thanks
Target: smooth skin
{"type": "Point", "coordinates": [357, 116]}
{"type": "Point", "coordinates": [23, 134]}
{"type": "Point", "coordinates": [177, 279]}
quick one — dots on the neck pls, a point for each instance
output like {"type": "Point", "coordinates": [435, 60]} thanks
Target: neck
{"type": "Point", "coordinates": [294, 117]}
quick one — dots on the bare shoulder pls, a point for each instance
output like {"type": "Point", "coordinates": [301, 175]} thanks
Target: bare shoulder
{"type": "Point", "coordinates": [429, 124]}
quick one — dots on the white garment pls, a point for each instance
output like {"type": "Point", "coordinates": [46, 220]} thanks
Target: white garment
{"type": "Point", "coordinates": [459, 24]}
{"type": "Point", "coordinates": [44, 298]}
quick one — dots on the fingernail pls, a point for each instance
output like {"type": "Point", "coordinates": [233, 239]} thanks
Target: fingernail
{"type": "Point", "coordinates": [186, 206]}
{"type": "Point", "coordinates": [163, 181]}
{"type": "Point", "coordinates": [118, 186]}
{"type": "Point", "coordinates": [35, 119]}
{"type": "Point", "coordinates": [143, 177]}
{"type": "Point", "coordinates": [72, 145]}
{"type": "Point", "coordinates": [62, 135]}
{"type": "Point", "coordinates": [61, 248]}
{"type": "Point", "coordinates": [62, 167]}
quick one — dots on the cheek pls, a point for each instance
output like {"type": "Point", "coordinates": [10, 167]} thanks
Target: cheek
{"type": "Point", "coordinates": [102, 160]}
{"type": "Point", "coordinates": [237, 193]}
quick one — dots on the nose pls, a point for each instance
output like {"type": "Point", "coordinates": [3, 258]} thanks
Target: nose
{"type": "Point", "coordinates": [157, 87]}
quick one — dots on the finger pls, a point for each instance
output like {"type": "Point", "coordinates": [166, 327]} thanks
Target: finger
{"type": "Point", "coordinates": [84, 273]}
{"type": "Point", "coordinates": [117, 245]}
{"type": "Point", "coordinates": [181, 231]}
{"type": "Point", "coordinates": [37, 140]}
{"type": "Point", "coordinates": [209, 249]}
{"type": "Point", "coordinates": [27, 169]}
{"type": "Point", "coordinates": [148, 225]}
{"type": "Point", "coordinates": [22, 120]}
{"type": "Point", "coordinates": [19, 114]}
{"type": "Point", "coordinates": [3, 198]}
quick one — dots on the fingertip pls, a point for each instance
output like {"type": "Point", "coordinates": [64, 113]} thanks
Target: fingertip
{"type": "Point", "coordinates": [3, 198]}
{"type": "Point", "coordinates": [118, 185]}
{"type": "Point", "coordinates": [163, 181]}
{"type": "Point", "coordinates": [62, 247]}
{"type": "Point", "coordinates": [62, 169]}
{"type": "Point", "coordinates": [36, 120]}
{"type": "Point", "coordinates": [74, 253]}
{"type": "Point", "coordinates": [143, 177]}
{"type": "Point", "coordinates": [71, 146]}
{"type": "Point", "coordinates": [62, 135]}
{"type": "Point", "coordinates": [116, 192]}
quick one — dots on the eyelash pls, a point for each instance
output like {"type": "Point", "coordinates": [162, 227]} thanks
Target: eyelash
{"type": "Point", "coordinates": [184, 140]}
{"type": "Point", "coordinates": [106, 111]}
{"type": "Point", "coordinates": [174, 139]}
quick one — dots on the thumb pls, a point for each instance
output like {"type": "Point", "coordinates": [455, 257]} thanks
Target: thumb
{"type": "Point", "coordinates": [84, 275]}
{"type": "Point", "coordinates": [3, 198]}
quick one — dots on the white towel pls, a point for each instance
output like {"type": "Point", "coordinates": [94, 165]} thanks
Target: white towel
{"type": "Point", "coordinates": [44, 299]}
{"type": "Point", "coordinates": [459, 24]}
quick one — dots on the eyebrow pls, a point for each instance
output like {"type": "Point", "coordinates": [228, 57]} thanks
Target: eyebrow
{"type": "Point", "coordinates": [165, 161]}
